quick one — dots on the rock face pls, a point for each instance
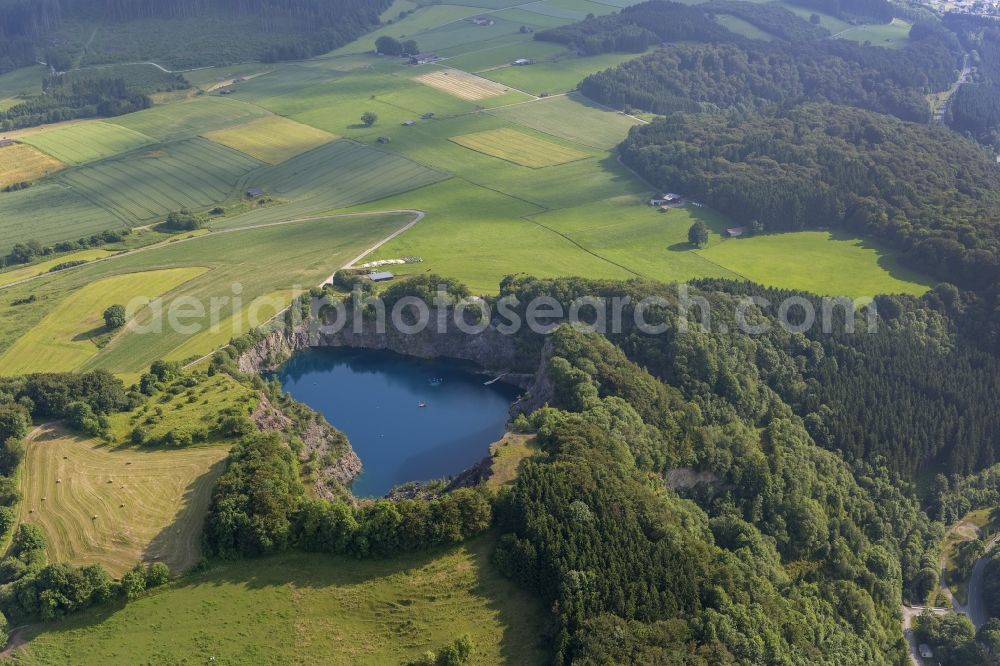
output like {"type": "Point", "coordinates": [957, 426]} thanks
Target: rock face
{"type": "Point", "coordinates": [338, 463]}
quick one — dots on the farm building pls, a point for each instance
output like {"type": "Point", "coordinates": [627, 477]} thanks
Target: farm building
{"type": "Point", "coordinates": [428, 115]}
{"type": "Point", "coordinates": [255, 193]}
{"type": "Point", "coordinates": [925, 651]}
{"type": "Point", "coordinates": [382, 276]}
{"type": "Point", "coordinates": [384, 139]}
{"type": "Point", "coordinates": [225, 91]}
{"type": "Point", "coordinates": [669, 199]}
{"type": "Point", "coordinates": [520, 62]}
{"type": "Point", "coordinates": [483, 20]}
{"type": "Point", "coordinates": [409, 123]}
{"type": "Point", "coordinates": [4, 142]}
{"type": "Point", "coordinates": [736, 232]}
{"type": "Point", "coordinates": [424, 58]}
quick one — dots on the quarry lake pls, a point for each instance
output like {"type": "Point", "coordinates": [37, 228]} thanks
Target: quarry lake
{"type": "Point", "coordinates": [408, 419]}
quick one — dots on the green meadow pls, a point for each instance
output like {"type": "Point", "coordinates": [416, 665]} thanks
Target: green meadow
{"type": "Point", "coordinates": [311, 609]}
{"type": "Point", "coordinates": [247, 264]}
{"type": "Point", "coordinates": [86, 142]}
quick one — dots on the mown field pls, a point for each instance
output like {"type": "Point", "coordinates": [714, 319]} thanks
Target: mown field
{"type": "Point", "coordinates": [116, 506]}
{"type": "Point", "coordinates": [65, 339]}
{"type": "Point", "coordinates": [86, 142]}
{"type": "Point", "coordinates": [312, 609]}
{"type": "Point", "coordinates": [50, 212]}
{"type": "Point", "coordinates": [145, 185]}
{"type": "Point", "coordinates": [271, 139]}
{"type": "Point", "coordinates": [333, 176]}
{"type": "Point", "coordinates": [591, 125]}
{"type": "Point", "coordinates": [247, 263]}
{"type": "Point", "coordinates": [519, 148]}
{"type": "Point", "coordinates": [190, 118]}
{"type": "Point", "coordinates": [22, 163]}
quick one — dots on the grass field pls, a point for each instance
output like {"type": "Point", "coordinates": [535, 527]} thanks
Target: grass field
{"type": "Point", "coordinates": [86, 142]}
{"type": "Point", "coordinates": [63, 340]}
{"type": "Point", "coordinates": [742, 27]}
{"type": "Point", "coordinates": [557, 76]}
{"type": "Point", "coordinates": [191, 118]}
{"type": "Point", "coordinates": [144, 186]}
{"type": "Point", "coordinates": [24, 163]}
{"type": "Point", "coordinates": [890, 35]}
{"type": "Point", "coordinates": [504, 52]}
{"type": "Point", "coordinates": [50, 212]}
{"type": "Point", "coordinates": [461, 84]}
{"type": "Point", "coordinates": [116, 506]}
{"type": "Point", "coordinates": [23, 82]}
{"type": "Point", "coordinates": [254, 262]}
{"type": "Point", "coordinates": [519, 148]}
{"type": "Point", "coordinates": [43, 267]}
{"type": "Point", "coordinates": [973, 525]}
{"type": "Point", "coordinates": [333, 176]}
{"type": "Point", "coordinates": [592, 125]}
{"type": "Point", "coordinates": [271, 139]}
{"type": "Point", "coordinates": [312, 609]}
{"type": "Point", "coordinates": [818, 261]}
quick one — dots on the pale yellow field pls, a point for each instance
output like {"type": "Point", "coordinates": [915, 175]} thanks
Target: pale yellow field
{"type": "Point", "coordinates": [519, 148]}
{"type": "Point", "coordinates": [62, 341]}
{"type": "Point", "coordinates": [21, 162]}
{"type": "Point", "coordinates": [18, 274]}
{"type": "Point", "coordinates": [272, 139]}
{"type": "Point", "coordinates": [462, 84]}
{"type": "Point", "coordinates": [148, 504]}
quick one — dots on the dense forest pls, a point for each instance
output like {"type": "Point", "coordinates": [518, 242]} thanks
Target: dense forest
{"type": "Point", "coordinates": [819, 166]}
{"type": "Point", "coordinates": [975, 108]}
{"type": "Point", "coordinates": [685, 486]}
{"type": "Point", "coordinates": [67, 99]}
{"type": "Point", "coordinates": [319, 25]}
{"type": "Point", "coordinates": [726, 70]}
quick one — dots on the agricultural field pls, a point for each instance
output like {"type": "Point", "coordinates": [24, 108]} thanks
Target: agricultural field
{"type": "Point", "coordinates": [505, 53]}
{"type": "Point", "coordinates": [557, 76]}
{"type": "Point", "coordinates": [64, 340]}
{"type": "Point", "coordinates": [462, 85]}
{"type": "Point", "coordinates": [190, 118]}
{"type": "Point", "coordinates": [43, 267]}
{"type": "Point", "coordinates": [85, 142]}
{"type": "Point", "coordinates": [333, 176]}
{"type": "Point", "coordinates": [519, 148]}
{"type": "Point", "coordinates": [412, 27]}
{"type": "Point", "coordinates": [146, 185]}
{"type": "Point", "coordinates": [592, 125]}
{"type": "Point", "coordinates": [50, 212]}
{"type": "Point", "coordinates": [312, 609]}
{"type": "Point", "coordinates": [117, 506]}
{"type": "Point", "coordinates": [271, 139]}
{"type": "Point", "coordinates": [23, 163]}
{"type": "Point", "coordinates": [299, 255]}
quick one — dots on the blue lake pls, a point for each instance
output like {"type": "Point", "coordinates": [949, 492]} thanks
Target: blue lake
{"type": "Point", "coordinates": [375, 398]}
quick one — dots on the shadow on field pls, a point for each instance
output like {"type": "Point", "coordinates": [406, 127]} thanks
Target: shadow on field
{"type": "Point", "coordinates": [395, 592]}
{"type": "Point", "coordinates": [186, 525]}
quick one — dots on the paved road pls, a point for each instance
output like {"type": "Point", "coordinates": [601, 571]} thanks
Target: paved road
{"type": "Point", "coordinates": [976, 606]}
{"type": "Point", "coordinates": [910, 612]}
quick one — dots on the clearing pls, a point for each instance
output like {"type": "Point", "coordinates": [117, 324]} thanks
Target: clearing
{"type": "Point", "coordinates": [63, 340]}
{"type": "Point", "coordinates": [462, 85]}
{"type": "Point", "coordinates": [312, 609]}
{"type": "Point", "coordinates": [22, 163]}
{"type": "Point", "coordinates": [271, 139]}
{"type": "Point", "coordinates": [114, 507]}
{"type": "Point", "coordinates": [519, 148]}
